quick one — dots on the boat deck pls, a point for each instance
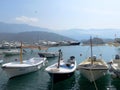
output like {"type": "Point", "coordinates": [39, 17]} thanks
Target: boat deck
{"type": "Point", "coordinates": [25, 63]}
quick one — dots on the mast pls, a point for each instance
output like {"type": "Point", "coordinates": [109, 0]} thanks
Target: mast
{"type": "Point", "coordinates": [91, 50]}
{"type": "Point", "coordinates": [60, 54]}
{"type": "Point", "coordinates": [21, 53]}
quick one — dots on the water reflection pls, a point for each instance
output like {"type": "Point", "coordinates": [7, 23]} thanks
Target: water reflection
{"type": "Point", "coordinates": [100, 84]}
{"type": "Point", "coordinates": [31, 81]}
{"type": "Point", "coordinates": [116, 83]}
{"type": "Point", "coordinates": [67, 84]}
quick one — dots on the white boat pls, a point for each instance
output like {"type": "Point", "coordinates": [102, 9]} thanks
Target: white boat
{"type": "Point", "coordinates": [93, 71]}
{"type": "Point", "coordinates": [20, 67]}
{"type": "Point", "coordinates": [11, 52]}
{"type": "Point", "coordinates": [115, 67]}
{"type": "Point", "coordinates": [17, 68]}
{"type": "Point", "coordinates": [48, 54]}
{"type": "Point", "coordinates": [7, 45]}
{"type": "Point", "coordinates": [93, 68]}
{"type": "Point", "coordinates": [62, 70]}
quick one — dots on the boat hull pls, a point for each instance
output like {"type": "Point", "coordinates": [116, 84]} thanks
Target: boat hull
{"type": "Point", "coordinates": [76, 43]}
{"type": "Point", "coordinates": [17, 71]}
{"type": "Point", "coordinates": [115, 71]}
{"type": "Point", "coordinates": [12, 72]}
{"type": "Point", "coordinates": [48, 55]}
{"type": "Point", "coordinates": [62, 73]}
{"type": "Point", "coordinates": [94, 74]}
{"type": "Point", "coordinates": [57, 77]}
{"type": "Point", "coordinates": [11, 52]}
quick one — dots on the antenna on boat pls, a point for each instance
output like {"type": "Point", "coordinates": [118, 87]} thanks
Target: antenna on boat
{"type": "Point", "coordinates": [21, 53]}
{"type": "Point", "coordinates": [91, 49]}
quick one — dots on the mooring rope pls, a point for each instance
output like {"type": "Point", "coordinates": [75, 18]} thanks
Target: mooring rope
{"type": "Point", "coordinates": [93, 80]}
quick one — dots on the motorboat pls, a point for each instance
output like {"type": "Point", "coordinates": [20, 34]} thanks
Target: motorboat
{"type": "Point", "coordinates": [62, 70]}
{"type": "Point", "coordinates": [11, 52]}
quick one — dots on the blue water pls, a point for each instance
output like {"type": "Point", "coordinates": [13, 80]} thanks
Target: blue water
{"type": "Point", "coordinates": [40, 80]}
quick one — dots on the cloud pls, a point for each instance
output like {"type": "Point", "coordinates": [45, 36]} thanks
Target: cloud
{"type": "Point", "coordinates": [28, 20]}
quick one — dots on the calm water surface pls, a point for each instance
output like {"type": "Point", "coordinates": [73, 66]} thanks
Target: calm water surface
{"type": "Point", "coordinates": [40, 80]}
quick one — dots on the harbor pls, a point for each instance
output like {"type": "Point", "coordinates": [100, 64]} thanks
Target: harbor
{"type": "Point", "coordinates": [60, 45]}
{"type": "Point", "coordinates": [40, 80]}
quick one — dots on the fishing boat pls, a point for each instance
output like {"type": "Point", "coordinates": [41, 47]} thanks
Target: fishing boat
{"type": "Point", "coordinates": [115, 67]}
{"type": "Point", "coordinates": [11, 52]}
{"type": "Point", "coordinates": [93, 68]}
{"type": "Point", "coordinates": [62, 70]}
{"type": "Point", "coordinates": [48, 54]}
{"type": "Point", "coordinates": [20, 67]}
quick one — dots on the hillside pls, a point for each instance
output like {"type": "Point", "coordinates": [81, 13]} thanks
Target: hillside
{"type": "Point", "coordinates": [27, 33]}
{"type": "Point", "coordinates": [32, 36]}
{"type": "Point", "coordinates": [16, 28]}
{"type": "Point", "coordinates": [80, 34]}
{"type": "Point", "coordinates": [95, 40]}
{"type": "Point", "coordinates": [77, 34]}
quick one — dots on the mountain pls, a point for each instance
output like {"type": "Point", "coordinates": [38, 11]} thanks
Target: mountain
{"type": "Point", "coordinates": [32, 36]}
{"type": "Point", "coordinates": [16, 28]}
{"type": "Point", "coordinates": [77, 34]}
{"type": "Point", "coordinates": [27, 33]}
{"type": "Point", "coordinates": [80, 34]}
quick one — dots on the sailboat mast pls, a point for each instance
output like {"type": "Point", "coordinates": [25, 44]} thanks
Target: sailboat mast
{"type": "Point", "coordinates": [91, 50]}
{"type": "Point", "coordinates": [59, 58]}
{"type": "Point", "coordinates": [21, 53]}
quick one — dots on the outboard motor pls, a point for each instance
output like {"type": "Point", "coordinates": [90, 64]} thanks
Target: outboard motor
{"type": "Point", "coordinates": [72, 57]}
{"type": "Point", "coordinates": [70, 61]}
{"type": "Point", "coordinates": [117, 56]}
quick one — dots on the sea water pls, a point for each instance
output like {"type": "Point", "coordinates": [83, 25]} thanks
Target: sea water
{"type": "Point", "coordinates": [40, 80]}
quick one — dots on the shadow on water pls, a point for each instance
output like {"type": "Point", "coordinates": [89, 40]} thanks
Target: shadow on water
{"type": "Point", "coordinates": [67, 84]}
{"type": "Point", "coordinates": [116, 83]}
{"type": "Point", "coordinates": [100, 84]}
{"type": "Point", "coordinates": [31, 81]}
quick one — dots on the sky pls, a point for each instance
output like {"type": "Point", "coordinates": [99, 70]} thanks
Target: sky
{"type": "Point", "coordinates": [62, 14]}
